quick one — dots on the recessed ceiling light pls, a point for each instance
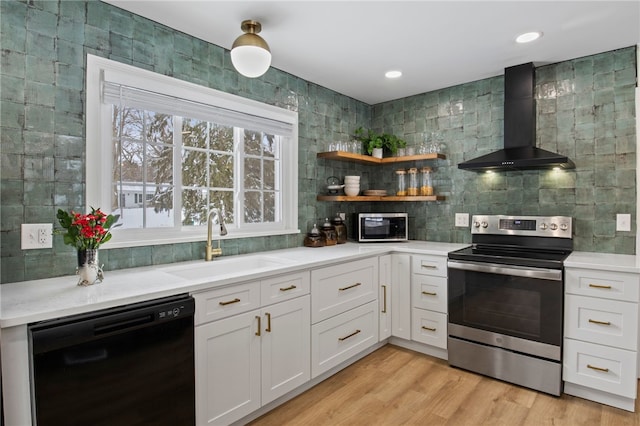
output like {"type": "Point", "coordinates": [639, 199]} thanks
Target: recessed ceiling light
{"type": "Point", "coordinates": [393, 74]}
{"type": "Point", "coordinates": [528, 37]}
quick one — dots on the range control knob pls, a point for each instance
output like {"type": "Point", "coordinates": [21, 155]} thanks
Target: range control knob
{"type": "Point", "coordinates": [553, 226]}
{"type": "Point", "coordinates": [476, 224]}
{"type": "Point", "coordinates": [484, 224]}
{"type": "Point", "coordinates": [543, 226]}
{"type": "Point", "coordinates": [564, 226]}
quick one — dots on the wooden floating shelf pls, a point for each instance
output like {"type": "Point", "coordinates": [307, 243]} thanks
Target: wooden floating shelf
{"type": "Point", "coordinates": [367, 159]}
{"type": "Point", "coordinates": [379, 198]}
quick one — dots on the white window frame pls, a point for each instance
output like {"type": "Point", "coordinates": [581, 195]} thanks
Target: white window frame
{"type": "Point", "coordinates": [99, 146]}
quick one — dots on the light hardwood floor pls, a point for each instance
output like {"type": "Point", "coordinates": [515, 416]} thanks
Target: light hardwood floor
{"type": "Point", "coordinates": [396, 386]}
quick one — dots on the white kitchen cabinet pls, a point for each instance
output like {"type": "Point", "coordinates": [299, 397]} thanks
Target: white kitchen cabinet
{"type": "Point", "coordinates": [429, 300]}
{"type": "Point", "coordinates": [249, 359]}
{"type": "Point", "coordinates": [401, 295]}
{"type": "Point", "coordinates": [385, 301]}
{"type": "Point", "coordinates": [601, 335]}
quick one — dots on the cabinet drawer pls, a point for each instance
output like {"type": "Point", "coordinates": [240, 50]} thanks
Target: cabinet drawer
{"type": "Point", "coordinates": [429, 292]}
{"type": "Point", "coordinates": [342, 287]}
{"type": "Point", "coordinates": [339, 338]}
{"type": "Point", "coordinates": [223, 302]}
{"type": "Point", "coordinates": [600, 367]}
{"type": "Point", "coordinates": [429, 327]}
{"type": "Point", "coordinates": [285, 287]}
{"type": "Point", "coordinates": [429, 265]}
{"type": "Point", "coordinates": [602, 321]}
{"type": "Point", "coordinates": [603, 284]}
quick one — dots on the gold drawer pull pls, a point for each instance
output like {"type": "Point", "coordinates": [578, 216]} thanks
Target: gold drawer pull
{"type": "Point", "coordinates": [593, 367]}
{"type": "Point", "coordinates": [422, 265]}
{"type": "Point", "coordinates": [384, 299]}
{"type": "Point", "coordinates": [351, 335]}
{"type": "Point", "coordinates": [268, 329]}
{"type": "Point", "coordinates": [259, 325]}
{"type": "Point", "coordinates": [428, 293]}
{"type": "Point", "coordinates": [351, 286]}
{"type": "Point", "coordinates": [608, 287]}
{"type": "Point", "coordinates": [428, 328]}
{"type": "Point", "coordinates": [291, 287]}
{"type": "Point", "coordinates": [599, 322]}
{"type": "Point", "coordinates": [236, 300]}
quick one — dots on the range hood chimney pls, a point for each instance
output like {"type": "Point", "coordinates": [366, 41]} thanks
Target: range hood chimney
{"type": "Point", "coordinates": [520, 152]}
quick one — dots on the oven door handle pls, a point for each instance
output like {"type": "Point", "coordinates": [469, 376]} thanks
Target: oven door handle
{"type": "Point", "coordinates": [519, 271]}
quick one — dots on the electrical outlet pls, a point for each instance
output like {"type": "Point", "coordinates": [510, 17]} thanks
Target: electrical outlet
{"type": "Point", "coordinates": [36, 236]}
{"type": "Point", "coordinates": [462, 219]}
{"type": "Point", "coordinates": [623, 222]}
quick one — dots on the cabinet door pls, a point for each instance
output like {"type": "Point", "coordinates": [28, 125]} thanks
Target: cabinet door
{"type": "Point", "coordinates": [286, 347]}
{"type": "Point", "coordinates": [385, 299]}
{"type": "Point", "coordinates": [227, 361]}
{"type": "Point", "coordinates": [401, 296]}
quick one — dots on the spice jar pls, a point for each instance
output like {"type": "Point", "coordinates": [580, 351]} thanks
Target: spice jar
{"type": "Point", "coordinates": [341, 229]}
{"type": "Point", "coordinates": [401, 190]}
{"type": "Point", "coordinates": [314, 238]}
{"type": "Point", "coordinates": [329, 233]}
{"type": "Point", "coordinates": [427, 182]}
{"type": "Point", "coordinates": [412, 189]}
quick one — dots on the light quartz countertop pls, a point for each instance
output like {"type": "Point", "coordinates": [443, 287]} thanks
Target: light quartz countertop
{"type": "Point", "coordinates": [603, 261]}
{"type": "Point", "coordinates": [31, 301]}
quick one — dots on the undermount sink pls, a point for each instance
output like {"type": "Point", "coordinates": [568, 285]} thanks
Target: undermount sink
{"type": "Point", "coordinates": [232, 265]}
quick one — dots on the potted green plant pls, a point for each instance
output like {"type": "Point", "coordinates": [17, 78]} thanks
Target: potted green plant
{"type": "Point", "coordinates": [375, 143]}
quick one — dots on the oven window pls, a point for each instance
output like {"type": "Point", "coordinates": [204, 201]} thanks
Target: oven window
{"type": "Point", "coordinates": [529, 308]}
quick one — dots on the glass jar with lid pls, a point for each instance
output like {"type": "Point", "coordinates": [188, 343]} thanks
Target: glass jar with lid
{"type": "Point", "coordinates": [412, 188]}
{"type": "Point", "coordinates": [401, 189]}
{"type": "Point", "coordinates": [426, 188]}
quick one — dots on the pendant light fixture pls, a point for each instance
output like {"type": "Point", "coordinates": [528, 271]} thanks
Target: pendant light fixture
{"type": "Point", "coordinates": [250, 54]}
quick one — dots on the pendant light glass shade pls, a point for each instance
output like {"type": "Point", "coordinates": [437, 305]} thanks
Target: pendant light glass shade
{"type": "Point", "coordinates": [250, 54]}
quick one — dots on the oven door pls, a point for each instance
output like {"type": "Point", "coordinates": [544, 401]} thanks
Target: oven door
{"type": "Point", "coordinates": [516, 308]}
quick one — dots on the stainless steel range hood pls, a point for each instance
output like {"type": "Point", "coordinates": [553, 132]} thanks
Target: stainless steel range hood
{"type": "Point", "coordinates": [520, 152]}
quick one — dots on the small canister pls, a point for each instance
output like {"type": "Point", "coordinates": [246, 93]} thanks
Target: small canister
{"type": "Point", "coordinates": [341, 229]}
{"type": "Point", "coordinates": [401, 190]}
{"type": "Point", "coordinates": [314, 238]}
{"type": "Point", "coordinates": [413, 182]}
{"type": "Point", "coordinates": [427, 182]}
{"type": "Point", "coordinates": [329, 233]}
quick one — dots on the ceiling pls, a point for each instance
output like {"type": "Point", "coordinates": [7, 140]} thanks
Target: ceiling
{"type": "Point", "coordinates": [347, 46]}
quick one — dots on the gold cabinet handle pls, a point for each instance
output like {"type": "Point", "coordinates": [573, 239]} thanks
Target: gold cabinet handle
{"type": "Point", "coordinates": [384, 299]}
{"type": "Point", "coordinates": [428, 293]}
{"type": "Point", "coordinates": [608, 287]}
{"type": "Point", "coordinates": [291, 287]}
{"type": "Point", "coordinates": [268, 329]}
{"type": "Point", "coordinates": [350, 335]}
{"type": "Point", "coordinates": [351, 286]}
{"type": "Point", "coordinates": [422, 265]}
{"type": "Point", "coordinates": [428, 328]}
{"type": "Point", "coordinates": [229, 302]}
{"type": "Point", "coordinates": [259, 325]}
{"type": "Point", "coordinates": [593, 367]}
{"type": "Point", "coordinates": [599, 322]}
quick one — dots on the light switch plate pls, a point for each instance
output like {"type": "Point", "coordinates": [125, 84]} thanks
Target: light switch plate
{"type": "Point", "coordinates": [36, 236]}
{"type": "Point", "coordinates": [623, 222]}
{"type": "Point", "coordinates": [462, 219]}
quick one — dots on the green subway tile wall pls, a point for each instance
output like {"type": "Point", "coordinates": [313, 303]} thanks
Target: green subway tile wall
{"type": "Point", "coordinates": [585, 109]}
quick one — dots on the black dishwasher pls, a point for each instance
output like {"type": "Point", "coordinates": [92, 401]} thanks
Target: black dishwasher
{"type": "Point", "coordinates": [130, 365]}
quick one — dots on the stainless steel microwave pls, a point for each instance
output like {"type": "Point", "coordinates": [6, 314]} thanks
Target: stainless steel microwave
{"type": "Point", "coordinates": [380, 227]}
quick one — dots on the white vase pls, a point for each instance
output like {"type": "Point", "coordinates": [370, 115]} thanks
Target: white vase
{"type": "Point", "coordinates": [377, 153]}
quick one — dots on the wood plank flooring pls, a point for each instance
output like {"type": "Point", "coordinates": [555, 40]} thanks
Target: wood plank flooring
{"type": "Point", "coordinates": [396, 386]}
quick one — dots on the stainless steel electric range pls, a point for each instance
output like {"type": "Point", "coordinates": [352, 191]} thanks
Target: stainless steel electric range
{"type": "Point", "coordinates": [505, 299]}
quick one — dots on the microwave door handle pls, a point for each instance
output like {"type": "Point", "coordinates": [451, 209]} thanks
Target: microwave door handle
{"type": "Point", "coordinates": [495, 268]}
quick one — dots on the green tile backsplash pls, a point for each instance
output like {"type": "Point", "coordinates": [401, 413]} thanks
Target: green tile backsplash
{"type": "Point", "coordinates": [585, 110]}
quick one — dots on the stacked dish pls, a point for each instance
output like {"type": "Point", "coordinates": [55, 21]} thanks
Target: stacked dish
{"type": "Point", "coordinates": [375, 192]}
{"type": "Point", "coordinates": [352, 185]}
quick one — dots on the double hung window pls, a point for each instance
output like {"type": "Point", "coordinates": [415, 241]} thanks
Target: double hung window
{"type": "Point", "coordinates": [163, 153]}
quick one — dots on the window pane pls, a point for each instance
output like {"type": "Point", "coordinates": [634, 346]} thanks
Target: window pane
{"type": "Point", "coordinates": [129, 159]}
{"type": "Point", "coordinates": [224, 200]}
{"type": "Point", "coordinates": [160, 197]}
{"type": "Point", "coordinates": [159, 127]}
{"type": "Point", "coordinates": [269, 146]}
{"type": "Point", "coordinates": [252, 145]}
{"type": "Point", "coordinates": [194, 207]}
{"type": "Point", "coordinates": [128, 122]}
{"type": "Point", "coordinates": [194, 133]}
{"type": "Point", "coordinates": [252, 173]}
{"type": "Point", "coordinates": [252, 207]}
{"type": "Point", "coordinates": [221, 138]}
{"type": "Point", "coordinates": [269, 207]}
{"type": "Point", "coordinates": [222, 171]}
{"type": "Point", "coordinates": [194, 168]}
{"type": "Point", "coordinates": [269, 174]}
{"type": "Point", "coordinates": [159, 164]}
{"type": "Point", "coordinates": [134, 211]}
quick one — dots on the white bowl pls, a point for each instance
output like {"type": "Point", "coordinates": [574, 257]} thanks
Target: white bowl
{"type": "Point", "coordinates": [351, 179]}
{"type": "Point", "coordinates": [351, 192]}
{"type": "Point", "coordinates": [352, 187]}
